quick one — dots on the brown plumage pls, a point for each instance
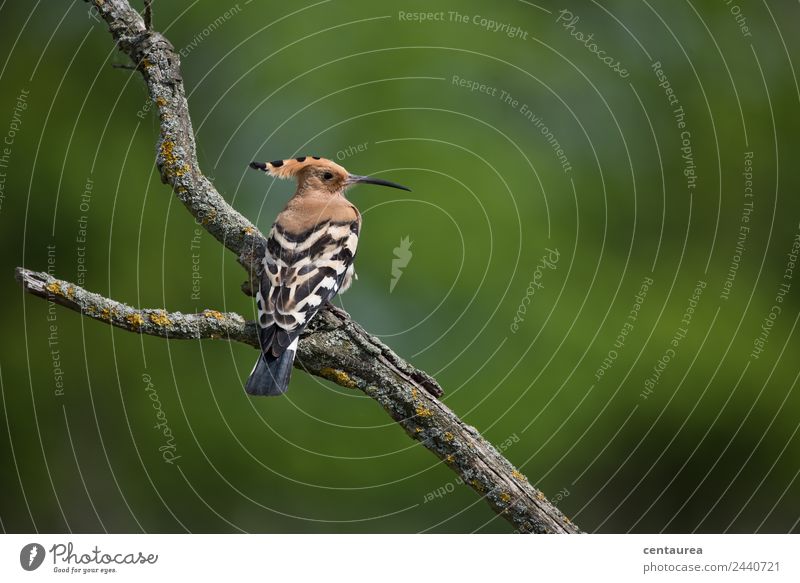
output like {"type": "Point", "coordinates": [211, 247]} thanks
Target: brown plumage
{"type": "Point", "coordinates": [308, 260]}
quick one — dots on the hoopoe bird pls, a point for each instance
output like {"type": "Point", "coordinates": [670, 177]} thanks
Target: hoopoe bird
{"type": "Point", "coordinates": [308, 260]}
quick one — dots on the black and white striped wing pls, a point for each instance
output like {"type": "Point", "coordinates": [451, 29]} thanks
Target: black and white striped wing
{"type": "Point", "coordinates": [301, 273]}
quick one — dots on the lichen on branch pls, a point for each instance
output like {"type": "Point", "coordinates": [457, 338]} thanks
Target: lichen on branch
{"type": "Point", "coordinates": [333, 346]}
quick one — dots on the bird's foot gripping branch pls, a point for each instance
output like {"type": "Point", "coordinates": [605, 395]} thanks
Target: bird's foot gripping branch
{"type": "Point", "coordinates": [332, 346]}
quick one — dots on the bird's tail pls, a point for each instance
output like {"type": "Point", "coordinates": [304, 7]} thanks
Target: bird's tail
{"type": "Point", "coordinates": [270, 376]}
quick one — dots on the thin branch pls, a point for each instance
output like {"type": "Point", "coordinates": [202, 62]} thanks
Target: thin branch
{"type": "Point", "coordinates": [148, 14]}
{"type": "Point", "coordinates": [172, 325]}
{"type": "Point", "coordinates": [333, 347]}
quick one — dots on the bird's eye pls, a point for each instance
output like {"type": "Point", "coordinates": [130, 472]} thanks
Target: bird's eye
{"type": "Point", "coordinates": [327, 176]}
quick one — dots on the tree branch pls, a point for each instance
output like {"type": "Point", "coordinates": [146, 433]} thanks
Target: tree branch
{"type": "Point", "coordinates": [176, 158]}
{"type": "Point", "coordinates": [336, 348]}
{"type": "Point", "coordinates": [333, 346]}
{"type": "Point", "coordinates": [172, 325]}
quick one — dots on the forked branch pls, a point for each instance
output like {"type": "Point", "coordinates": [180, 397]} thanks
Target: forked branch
{"type": "Point", "coordinates": [333, 347]}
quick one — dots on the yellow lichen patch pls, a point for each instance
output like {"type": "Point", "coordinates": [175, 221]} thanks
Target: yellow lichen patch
{"type": "Point", "coordinates": [249, 230]}
{"type": "Point", "coordinates": [338, 376]}
{"type": "Point", "coordinates": [146, 63]}
{"type": "Point", "coordinates": [213, 314]}
{"type": "Point", "coordinates": [160, 318]}
{"type": "Point", "coordinates": [210, 216]}
{"type": "Point", "coordinates": [135, 320]}
{"type": "Point", "coordinates": [418, 430]}
{"type": "Point", "coordinates": [168, 153]}
{"type": "Point", "coordinates": [476, 484]}
{"type": "Point", "coordinates": [519, 476]}
{"type": "Point", "coordinates": [448, 436]}
{"type": "Point", "coordinates": [540, 496]}
{"type": "Point", "coordinates": [160, 101]}
{"type": "Point", "coordinates": [105, 314]}
{"type": "Point", "coordinates": [414, 393]}
{"type": "Point", "coordinates": [423, 411]}
{"type": "Point", "coordinates": [54, 288]}
{"type": "Point", "coordinates": [505, 497]}
{"type": "Point", "coordinates": [71, 292]}
{"type": "Point", "coordinates": [449, 459]}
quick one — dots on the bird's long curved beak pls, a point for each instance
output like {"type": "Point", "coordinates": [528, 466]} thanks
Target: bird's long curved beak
{"type": "Point", "coordinates": [355, 179]}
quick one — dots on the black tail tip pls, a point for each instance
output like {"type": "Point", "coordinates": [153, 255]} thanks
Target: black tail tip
{"type": "Point", "coordinates": [271, 378]}
{"type": "Point", "coordinates": [258, 166]}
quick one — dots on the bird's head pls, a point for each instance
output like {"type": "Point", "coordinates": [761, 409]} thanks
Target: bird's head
{"type": "Point", "coordinates": [318, 175]}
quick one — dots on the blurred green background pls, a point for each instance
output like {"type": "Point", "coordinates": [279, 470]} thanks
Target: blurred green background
{"type": "Point", "coordinates": [709, 444]}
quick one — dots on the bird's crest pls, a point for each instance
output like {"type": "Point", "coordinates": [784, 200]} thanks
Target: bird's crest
{"type": "Point", "coordinates": [291, 167]}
